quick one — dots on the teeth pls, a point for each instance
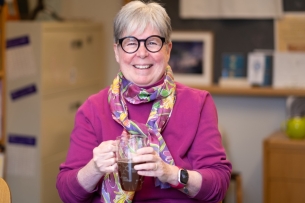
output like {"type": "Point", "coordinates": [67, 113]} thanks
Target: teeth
{"type": "Point", "coordinates": [142, 66]}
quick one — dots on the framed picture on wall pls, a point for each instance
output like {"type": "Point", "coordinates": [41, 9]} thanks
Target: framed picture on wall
{"type": "Point", "coordinates": [191, 57]}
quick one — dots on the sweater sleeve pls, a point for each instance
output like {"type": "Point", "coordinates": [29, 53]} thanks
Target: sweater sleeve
{"type": "Point", "coordinates": [82, 141]}
{"type": "Point", "coordinates": [208, 154]}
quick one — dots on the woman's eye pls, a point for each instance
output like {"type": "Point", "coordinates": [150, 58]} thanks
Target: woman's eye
{"type": "Point", "coordinates": [152, 43]}
{"type": "Point", "coordinates": [131, 44]}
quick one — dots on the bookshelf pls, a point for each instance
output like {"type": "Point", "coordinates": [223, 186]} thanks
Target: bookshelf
{"type": "Point", "coordinates": [252, 91]}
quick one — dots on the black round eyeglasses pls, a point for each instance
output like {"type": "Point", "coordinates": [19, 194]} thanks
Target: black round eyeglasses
{"type": "Point", "coordinates": [152, 43]}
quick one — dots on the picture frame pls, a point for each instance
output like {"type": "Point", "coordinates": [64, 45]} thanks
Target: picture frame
{"type": "Point", "coordinates": [191, 57]}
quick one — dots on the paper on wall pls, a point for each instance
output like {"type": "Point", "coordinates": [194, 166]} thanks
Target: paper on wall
{"type": "Point", "coordinates": [19, 58]}
{"type": "Point", "coordinates": [289, 70]}
{"type": "Point", "coordinates": [21, 155]}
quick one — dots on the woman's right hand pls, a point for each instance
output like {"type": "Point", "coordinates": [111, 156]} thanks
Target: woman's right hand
{"type": "Point", "coordinates": [104, 157]}
{"type": "Point", "coordinates": [103, 161]}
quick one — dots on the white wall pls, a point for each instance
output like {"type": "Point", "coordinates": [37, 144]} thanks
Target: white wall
{"type": "Point", "coordinates": [245, 121]}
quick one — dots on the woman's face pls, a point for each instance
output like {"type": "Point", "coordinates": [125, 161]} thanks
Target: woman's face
{"type": "Point", "coordinates": [143, 68]}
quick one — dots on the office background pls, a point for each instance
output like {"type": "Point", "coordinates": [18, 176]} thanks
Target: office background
{"type": "Point", "coordinates": [245, 120]}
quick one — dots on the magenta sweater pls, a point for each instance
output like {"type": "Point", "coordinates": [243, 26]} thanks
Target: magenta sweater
{"type": "Point", "coordinates": [191, 135]}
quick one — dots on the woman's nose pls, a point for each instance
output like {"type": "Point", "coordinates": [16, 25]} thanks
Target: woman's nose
{"type": "Point", "coordinates": [142, 51]}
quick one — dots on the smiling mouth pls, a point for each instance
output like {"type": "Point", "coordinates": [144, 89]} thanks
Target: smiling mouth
{"type": "Point", "coordinates": [142, 66]}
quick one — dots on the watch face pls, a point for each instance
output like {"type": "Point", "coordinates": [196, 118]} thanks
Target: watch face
{"type": "Point", "coordinates": [184, 176]}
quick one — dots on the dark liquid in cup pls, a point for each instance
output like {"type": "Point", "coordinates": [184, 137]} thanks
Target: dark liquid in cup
{"type": "Point", "coordinates": [129, 178]}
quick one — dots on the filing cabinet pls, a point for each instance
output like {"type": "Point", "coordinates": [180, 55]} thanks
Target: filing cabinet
{"type": "Point", "coordinates": [44, 90]}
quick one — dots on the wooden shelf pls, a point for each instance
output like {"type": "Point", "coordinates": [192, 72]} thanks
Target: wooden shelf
{"type": "Point", "coordinates": [252, 91]}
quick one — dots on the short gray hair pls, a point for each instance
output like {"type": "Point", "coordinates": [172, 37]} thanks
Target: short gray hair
{"type": "Point", "coordinates": [137, 15]}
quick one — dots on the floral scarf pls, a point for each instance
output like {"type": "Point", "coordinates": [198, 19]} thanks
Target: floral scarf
{"type": "Point", "coordinates": [164, 96]}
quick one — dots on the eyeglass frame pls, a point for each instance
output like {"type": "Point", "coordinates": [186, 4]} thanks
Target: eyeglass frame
{"type": "Point", "coordinates": [139, 43]}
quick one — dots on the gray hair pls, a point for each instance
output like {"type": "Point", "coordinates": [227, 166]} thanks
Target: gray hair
{"type": "Point", "coordinates": [137, 16]}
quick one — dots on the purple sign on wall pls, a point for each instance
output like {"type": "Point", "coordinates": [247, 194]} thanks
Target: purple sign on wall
{"type": "Point", "coordinates": [24, 40]}
{"type": "Point", "coordinates": [24, 91]}
{"type": "Point", "coordinates": [21, 139]}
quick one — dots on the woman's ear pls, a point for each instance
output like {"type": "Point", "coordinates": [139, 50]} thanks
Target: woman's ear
{"type": "Point", "coordinates": [169, 46]}
{"type": "Point", "coordinates": [116, 54]}
{"type": "Point", "coordinates": [168, 50]}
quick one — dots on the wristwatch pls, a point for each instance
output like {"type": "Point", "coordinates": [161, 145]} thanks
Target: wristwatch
{"type": "Point", "coordinates": [183, 177]}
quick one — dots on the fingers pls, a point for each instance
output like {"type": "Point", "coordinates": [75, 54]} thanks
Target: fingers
{"type": "Point", "coordinates": [146, 150]}
{"type": "Point", "coordinates": [150, 164]}
{"type": "Point", "coordinates": [98, 154]}
{"type": "Point", "coordinates": [107, 146]}
{"type": "Point", "coordinates": [104, 167]}
{"type": "Point", "coordinates": [159, 169]}
{"type": "Point", "coordinates": [104, 157]}
{"type": "Point", "coordinates": [105, 160]}
{"type": "Point", "coordinates": [146, 154]}
{"type": "Point", "coordinates": [153, 169]}
{"type": "Point", "coordinates": [156, 166]}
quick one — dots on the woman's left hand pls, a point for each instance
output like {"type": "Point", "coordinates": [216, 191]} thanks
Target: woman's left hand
{"type": "Point", "coordinates": [151, 164]}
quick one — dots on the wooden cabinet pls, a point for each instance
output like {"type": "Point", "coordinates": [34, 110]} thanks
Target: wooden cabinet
{"type": "Point", "coordinates": [284, 169]}
{"type": "Point", "coordinates": [62, 68]}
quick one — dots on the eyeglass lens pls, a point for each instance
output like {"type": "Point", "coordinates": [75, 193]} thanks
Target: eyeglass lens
{"type": "Point", "coordinates": [152, 44]}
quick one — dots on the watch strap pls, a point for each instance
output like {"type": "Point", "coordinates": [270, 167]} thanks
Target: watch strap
{"type": "Point", "coordinates": [178, 186]}
{"type": "Point", "coordinates": [185, 190]}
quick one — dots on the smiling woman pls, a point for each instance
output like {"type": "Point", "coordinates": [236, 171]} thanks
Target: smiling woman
{"type": "Point", "coordinates": [143, 63]}
{"type": "Point", "coordinates": [144, 99]}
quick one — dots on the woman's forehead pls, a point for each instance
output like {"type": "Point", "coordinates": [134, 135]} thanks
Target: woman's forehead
{"type": "Point", "coordinates": [138, 32]}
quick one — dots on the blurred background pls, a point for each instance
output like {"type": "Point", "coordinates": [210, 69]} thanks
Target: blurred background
{"type": "Point", "coordinates": [56, 53]}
